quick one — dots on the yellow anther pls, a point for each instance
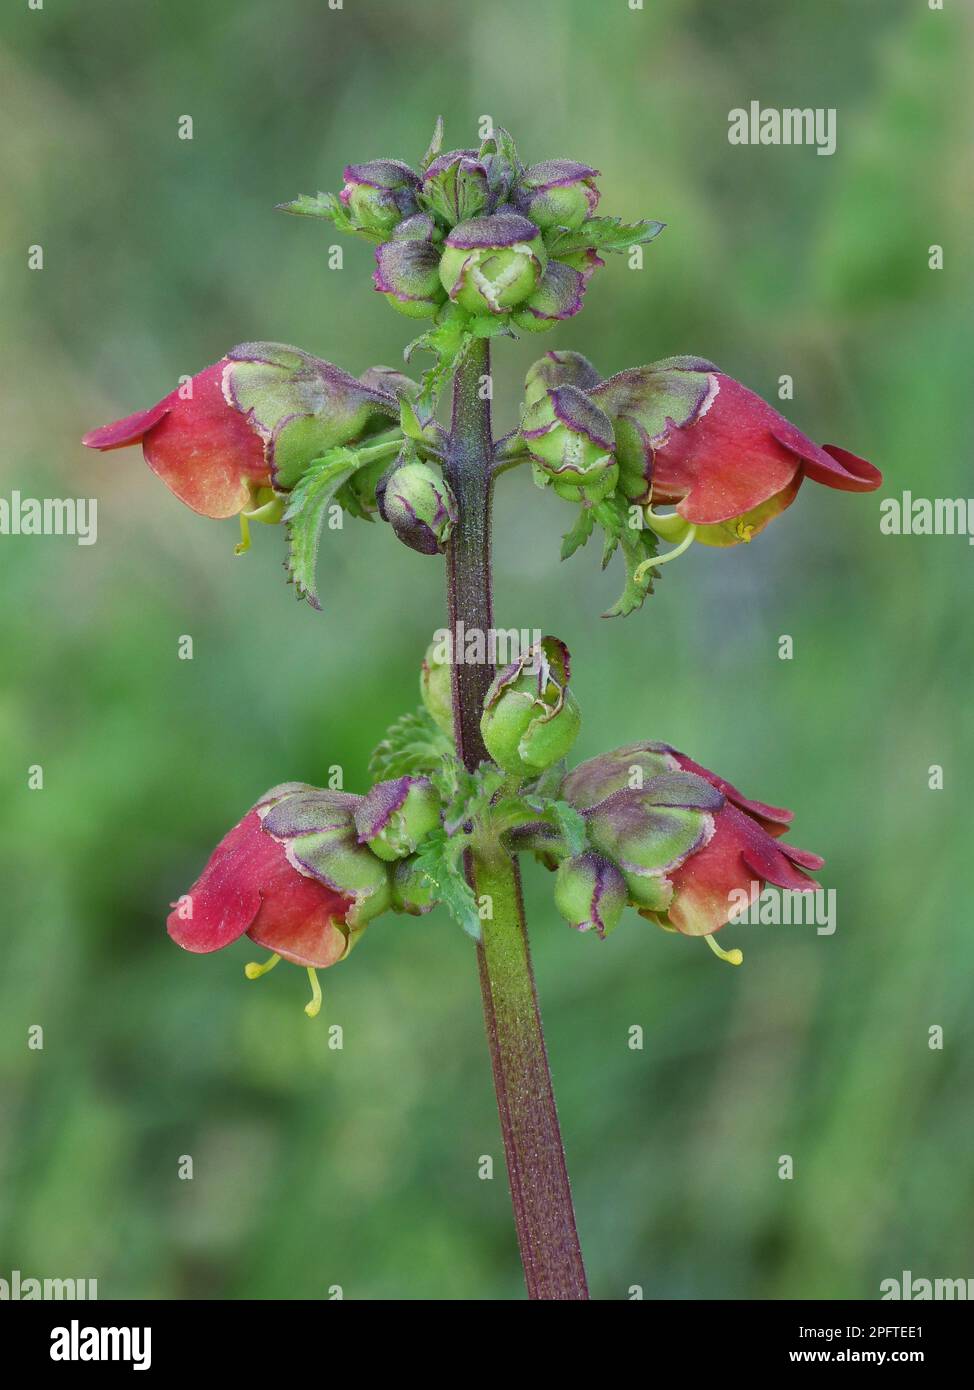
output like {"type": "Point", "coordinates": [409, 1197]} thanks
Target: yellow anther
{"type": "Point", "coordinates": [313, 1006]}
{"type": "Point", "coordinates": [744, 532]}
{"type": "Point", "coordinates": [253, 970]}
{"type": "Point", "coordinates": [735, 957]}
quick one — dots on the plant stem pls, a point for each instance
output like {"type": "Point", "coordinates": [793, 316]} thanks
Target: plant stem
{"type": "Point", "coordinates": [540, 1191]}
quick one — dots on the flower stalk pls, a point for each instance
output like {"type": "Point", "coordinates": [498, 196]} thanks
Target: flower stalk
{"type": "Point", "coordinates": [540, 1190]}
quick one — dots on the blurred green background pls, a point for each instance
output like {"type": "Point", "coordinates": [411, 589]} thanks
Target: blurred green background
{"type": "Point", "coordinates": [359, 1167]}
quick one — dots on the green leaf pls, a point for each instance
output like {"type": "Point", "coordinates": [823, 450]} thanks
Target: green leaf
{"type": "Point", "coordinates": [448, 342]}
{"type": "Point", "coordinates": [413, 744]}
{"type": "Point", "coordinates": [440, 860]}
{"type": "Point", "coordinates": [603, 233]}
{"type": "Point", "coordinates": [305, 516]}
{"type": "Point", "coordinates": [637, 543]}
{"type": "Point", "coordinates": [578, 535]}
{"type": "Point", "coordinates": [328, 206]}
{"type": "Point", "coordinates": [468, 795]}
{"type": "Point", "coordinates": [570, 825]}
{"type": "Point", "coordinates": [435, 144]}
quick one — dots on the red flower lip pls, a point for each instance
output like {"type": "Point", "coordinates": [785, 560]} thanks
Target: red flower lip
{"type": "Point", "coordinates": [249, 887]}
{"type": "Point", "coordinates": [206, 452]}
{"type": "Point", "coordinates": [738, 453]}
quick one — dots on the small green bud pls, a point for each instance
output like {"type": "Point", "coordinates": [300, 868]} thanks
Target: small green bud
{"type": "Point", "coordinates": [412, 889]}
{"type": "Point", "coordinates": [394, 816]}
{"type": "Point", "coordinates": [558, 368]}
{"type": "Point", "coordinates": [419, 506]}
{"type": "Point", "coordinates": [436, 688]}
{"type": "Point", "coordinates": [590, 892]}
{"type": "Point", "coordinates": [572, 442]}
{"type": "Point", "coordinates": [557, 193]}
{"type": "Point", "coordinates": [407, 268]}
{"type": "Point", "coordinates": [530, 717]}
{"type": "Point", "coordinates": [379, 194]}
{"type": "Point", "coordinates": [455, 186]}
{"type": "Point", "coordinates": [490, 264]}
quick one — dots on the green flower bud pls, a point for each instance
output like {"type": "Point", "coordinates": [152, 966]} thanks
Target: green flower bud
{"type": "Point", "coordinates": [455, 186]}
{"type": "Point", "coordinates": [490, 264]}
{"type": "Point", "coordinates": [556, 368]}
{"type": "Point", "coordinates": [419, 506]}
{"type": "Point", "coordinates": [408, 268]}
{"type": "Point", "coordinates": [590, 892]}
{"type": "Point", "coordinates": [530, 717]}
{"type": "Point", "coordinates": [379, 194]}
{"type": "Point", "coordinates": [572, 442]}
{"type": "Point", "coordinates": [394, 816]}
{"type": "Point", "coordinates": [557, 193]}
{"type": "Point", "coordinates": [648, 833]}
{"type": "Point", "coordinates": [412, 889]}
{"type": "Point", "coordinates": [436, 688]}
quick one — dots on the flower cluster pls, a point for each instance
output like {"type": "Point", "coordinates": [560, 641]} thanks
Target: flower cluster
{"type": "Point", "coordinates": [476, 231]}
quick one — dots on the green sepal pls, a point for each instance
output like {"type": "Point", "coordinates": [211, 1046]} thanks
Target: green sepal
{"type": "Point", "coordinates": [602, 233]}
{"type": "Point", "coordinates": [329, 207]}
{"type": "Point", "coordinates": [434, 146]}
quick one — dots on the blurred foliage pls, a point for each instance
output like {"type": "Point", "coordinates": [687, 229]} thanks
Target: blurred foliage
{"type": "Point", "coordinates": [359, 1167]}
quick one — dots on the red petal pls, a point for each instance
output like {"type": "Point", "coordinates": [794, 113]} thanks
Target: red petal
{"type": "Point", "coordinates": [128, 431]}
{"type": "Point", "coordinates": [203, 450]}
{"type": "Point", "coordinates": [838, 468]}
{"type": "Point", "coordinates": [774, 819]}
{"type": "Point", "coordinates": [726, 461]}
{"type": "Point", "coordinates": [249, 886]}
{"type": "Point", "coordinates": [739, 855]}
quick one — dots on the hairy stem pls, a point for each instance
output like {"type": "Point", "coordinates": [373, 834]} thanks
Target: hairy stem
{"type": "Point", "coordinates": [540, 1190]}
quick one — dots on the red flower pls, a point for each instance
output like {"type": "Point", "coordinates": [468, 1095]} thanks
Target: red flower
{"type": "Point", "coordinates": [253, 420]}
{"type": "Point", "coordinates": [688, 435]}
{"type": "Point", "coordinates": [250, 887]}
{"type": "Point", "coordinates": [205, 451]}
{"type": "Point", "coordinates": [743, 854]}
{"type": "Point", "coordinates": [738, 454]}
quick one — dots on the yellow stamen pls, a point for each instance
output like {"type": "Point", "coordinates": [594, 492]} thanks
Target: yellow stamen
{"type": "Point", "coordinates": [658, 560]}
{"type": "Point", "coordinates": [243, 545]}
{"type": "Point", "coordinates": [744, 532]}
{"type": "Point", "coordinates": [253, 970]}
{"type": "Point", "coordinates": [313, 1006]}
{"type": "Point", "coordinates": [735, 957]}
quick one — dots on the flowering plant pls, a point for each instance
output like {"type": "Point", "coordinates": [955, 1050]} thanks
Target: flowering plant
{"type": "Point", "coordinates": [484, 247]}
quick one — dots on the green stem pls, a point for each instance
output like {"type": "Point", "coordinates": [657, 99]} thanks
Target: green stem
{"type": "Point", "coordinates": [540, 1190]}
